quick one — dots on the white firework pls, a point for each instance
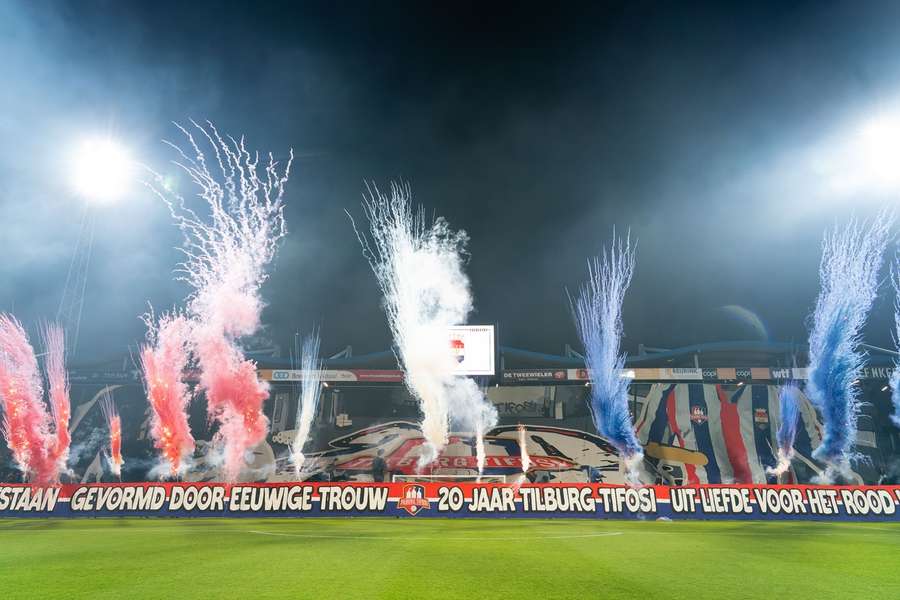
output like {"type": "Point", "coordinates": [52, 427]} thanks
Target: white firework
{"type": "Point", "coordinates": [419, 266]}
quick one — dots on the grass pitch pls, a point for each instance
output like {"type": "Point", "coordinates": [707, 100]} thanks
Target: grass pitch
{"type": "Point", "coordinates": [419, 558]}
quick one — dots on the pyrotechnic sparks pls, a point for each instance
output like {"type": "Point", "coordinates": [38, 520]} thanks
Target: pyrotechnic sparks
{"type": "Point", "coordinates": [227, 254]}
{"type": "Point", "coordinates": [58, 388]}
{"type": "Point", "coordinates": [598, 318]}
{"type": "Point", "coordinates": [311, 367]}
{"type": "Point", "coordinates": [25, 425]}
{"type": "Point", "coordinates": [163, 361]}
{"type": "Point", "coordinates": [419, 267]}
{"type": "Point", "coordinates": [39, 450]}
{"type": "Point", "coordinates": [789, 402]}
{"type": "Point", "coordinates": [114, 423]}
{"type": "Point", "coordinates": [471, 411]}
{"type": "Point", "coordinates": [523, 449]}
{"type": "Point", "coordinates": [895, 375]}
{"type": "Point", "coordinates": [851, 259]}
{"type": "Point", "coordinates": [479, 449]}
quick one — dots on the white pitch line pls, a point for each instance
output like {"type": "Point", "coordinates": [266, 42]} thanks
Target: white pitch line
{"type": "Point", "coordinates": [442, 537]}
{"type": "Point", "coordinates": [363, 534]}
{"type": "Point", "coordinates": [868, 527]}
{"type": "Point", "coordinates": [765, 533]}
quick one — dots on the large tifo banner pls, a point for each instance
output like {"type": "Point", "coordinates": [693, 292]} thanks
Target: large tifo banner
{"type": "Point", "coordinates": [444, 499]}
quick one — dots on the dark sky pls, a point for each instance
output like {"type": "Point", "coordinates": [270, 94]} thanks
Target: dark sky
{"type": "Point", "coordinates": [719, 135]}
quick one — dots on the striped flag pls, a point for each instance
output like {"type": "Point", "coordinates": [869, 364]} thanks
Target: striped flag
{"type": "Point", "coordinates": [716, 433]}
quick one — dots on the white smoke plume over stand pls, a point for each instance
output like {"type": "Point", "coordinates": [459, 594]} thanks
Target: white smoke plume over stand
{"type": "Point", "coordinates": [470, 410]}
{"type": "Point", "coordinates": [227, 255]}
{"type": "Point", "coordinates": [419, 267]}
{"type": "Point", "coordinates": [311, 369]}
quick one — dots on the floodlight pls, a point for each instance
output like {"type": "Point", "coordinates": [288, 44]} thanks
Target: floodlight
{"type": "Point", "coordinates": [879, 151]}
{"type": "Point", "coordinates": [101, 170]}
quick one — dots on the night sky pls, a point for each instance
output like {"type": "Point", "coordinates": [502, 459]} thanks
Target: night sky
{"type": "Point", "coordinates": [723, 137]}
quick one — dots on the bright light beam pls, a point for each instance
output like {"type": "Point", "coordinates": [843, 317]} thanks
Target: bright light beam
{"type": "Point", "coordinates": [863, 160]}
{"type": "Point", "coordinates": [101, 170]}
{"type": "Point", "coordinates": [879, 146]}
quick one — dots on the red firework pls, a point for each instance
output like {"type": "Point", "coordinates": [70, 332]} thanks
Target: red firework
{"type": "Point", "coordinates": [235, 396]}
{"type": "Point", "coordinates": [227, 250]}
{"type": "Point", "coordinates": [111, 414]}
{"type": "Point", "coordinates": [39, 450]}
{"type": "Point", "coordinates": [58, 384]}
{"type": "Point", "coordinates": [164, 361]}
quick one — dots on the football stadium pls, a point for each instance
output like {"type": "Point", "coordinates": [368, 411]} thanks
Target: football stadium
{"type": "Point", "coordinates": [367, 412]}
{"type": "Point", "coordinates": [508, 302]}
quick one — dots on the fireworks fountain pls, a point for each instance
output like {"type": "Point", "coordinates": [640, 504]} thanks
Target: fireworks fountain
{"type": "Point", "coordinates": [58, 392]}
{"type": "Point", "coordinates": [311, 367]}
{"type": "Point", "coordinates": [523, 448]}
{"type": "Point", "coordinates": [851, 259]}
{"type": "Point", "coordinates": [419, 267]}
{"type": "Point", "coordinates": [164, 359]}
{"type": "Point", "coordinates": [114, 423]}
{"type": "Point", "coordinates": [227, 254]}
{"type": "Point", "coordinates": [789, 401]}
{"type": "Point", "coordinates": [469, 409]}
{"type": "Point", "coordinates": [25, 423]}
{"type": "Point", "coordinates": [894, 381]}
{"type": "Point", "coordinates": [39, 449]}
{"type": "Point", "coordinates": [598, 318]}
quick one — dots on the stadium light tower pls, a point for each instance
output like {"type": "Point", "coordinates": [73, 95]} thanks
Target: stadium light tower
{"type": "Point", "coordinates": [101, 173]}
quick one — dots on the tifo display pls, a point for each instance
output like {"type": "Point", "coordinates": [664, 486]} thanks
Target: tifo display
{"type": "Point", "coordinates": [718, 432]}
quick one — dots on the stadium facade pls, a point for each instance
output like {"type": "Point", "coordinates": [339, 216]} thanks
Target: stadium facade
{"type": "Point", "coordinates": [704, 414]}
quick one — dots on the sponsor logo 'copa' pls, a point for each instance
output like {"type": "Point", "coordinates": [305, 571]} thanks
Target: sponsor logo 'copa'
{"type": "Point", "coordinates": [413, 499]}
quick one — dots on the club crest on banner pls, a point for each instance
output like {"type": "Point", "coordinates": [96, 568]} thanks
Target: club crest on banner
{"type": "Point", "coordinates": [413, 499]}
{"type": "Point", "coordinates": [761, 417]}
{"type": "Point", "coordinates": [698, 415]}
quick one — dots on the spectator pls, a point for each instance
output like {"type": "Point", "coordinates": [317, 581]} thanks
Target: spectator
{"type": "Point", "coordinates": [378, 467]}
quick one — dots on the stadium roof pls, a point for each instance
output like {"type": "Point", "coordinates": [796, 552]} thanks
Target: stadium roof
{"type": "Point", "coordinates": [714, 354]}
{"type": "Point", "coordinates": [733, 354]}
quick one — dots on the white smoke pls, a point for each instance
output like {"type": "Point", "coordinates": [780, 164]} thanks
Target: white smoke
{"type": "Point", "coordinates": [471, 411]}
{"type": "Point", "coordinates": [784, 463]}
{"type": "Point", "coordinates": [419, 266]}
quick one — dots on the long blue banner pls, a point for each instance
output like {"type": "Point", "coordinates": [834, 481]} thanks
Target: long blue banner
{"type": "Point", "coordinates": [448, 499]}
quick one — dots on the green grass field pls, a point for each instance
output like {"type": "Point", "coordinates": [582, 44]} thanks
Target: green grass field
{"type": "Point", "coordinates": [419, 558]}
